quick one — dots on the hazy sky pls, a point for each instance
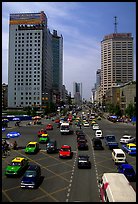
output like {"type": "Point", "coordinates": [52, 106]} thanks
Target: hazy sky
{"type": "Point", "coordinates": [82, 25]}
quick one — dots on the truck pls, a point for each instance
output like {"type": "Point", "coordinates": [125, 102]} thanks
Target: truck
{"type": "Point", "coordinates": [114, 187]}
{"type": "Point", "coordinates": [111, 142]}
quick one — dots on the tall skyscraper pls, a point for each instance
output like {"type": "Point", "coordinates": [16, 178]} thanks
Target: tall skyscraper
{"type": "Point", "coordinates": [30, 74]}
{"type": "Point", "coordinates": [116, 60]}
{"type": "Point", "coordinates": [77, 92]}
{"type": "Point", "coordinates": [57, 47]}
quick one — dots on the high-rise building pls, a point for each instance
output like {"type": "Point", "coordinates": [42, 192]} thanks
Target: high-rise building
{"type": "Point", "coordinates": [116, 60]}
{"type": "Point", "coordinates": [30, 72]}
{"type": "Point", "coordinates": [77, 92]}
{"type": "Point", "coordinates": [98, 78]}
{"type": "Point", "coordinates": [57, 47]}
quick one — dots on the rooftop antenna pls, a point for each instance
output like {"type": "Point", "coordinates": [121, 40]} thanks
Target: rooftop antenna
{"type": "Point", "coordinates": [115, 23]}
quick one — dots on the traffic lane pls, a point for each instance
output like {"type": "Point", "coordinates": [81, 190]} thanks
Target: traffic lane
{"type": "Point", "coordinates": [84, 186]}
{"type": "Point", "coordinates": [56, 175]}
{"type": "Point", "coordinates": [104, 161]}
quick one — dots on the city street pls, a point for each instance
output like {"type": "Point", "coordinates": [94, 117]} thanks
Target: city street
{"type": "Point", "coordinates": [62, 181]}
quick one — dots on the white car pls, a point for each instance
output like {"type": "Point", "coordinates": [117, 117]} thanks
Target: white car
{"type": "Point", "coordinates": [127, 139]}
{"type": "Point", "coordinates": [95, 126]}
{"type": "Point", "coordinates": [86, 124]}
{"type": "Point", "coordinates": [98, 133]}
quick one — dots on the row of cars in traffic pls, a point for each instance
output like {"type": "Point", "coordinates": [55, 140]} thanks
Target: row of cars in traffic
{"type": "Point", "coordinates": [118, 154]}
{"type": "Point", "coordinates": [115, 187]}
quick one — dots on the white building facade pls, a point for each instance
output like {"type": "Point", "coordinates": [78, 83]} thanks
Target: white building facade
{"type": "Point", "coordinates": [30, 60]}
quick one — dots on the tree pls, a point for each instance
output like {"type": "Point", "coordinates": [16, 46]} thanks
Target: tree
{"type": "Point", "coordinates": [117, 110]}
{"type": "Point", "coordinates": [130, 110]}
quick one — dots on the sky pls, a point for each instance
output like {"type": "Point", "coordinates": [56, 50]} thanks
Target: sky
{"type": "Point", "coordinates": [83, 26]}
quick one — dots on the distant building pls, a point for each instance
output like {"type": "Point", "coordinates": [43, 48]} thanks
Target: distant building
{"type": "Point", "coordinates": [77, 92]}
{"type": "Point", "coordinates": [121, 95]}
{"type": "Point", "coordinates": [116, 60]}
{"type": "Point", "coordinates": [98, 78]}
{"type": "Point", "coordinates": [57, 47]}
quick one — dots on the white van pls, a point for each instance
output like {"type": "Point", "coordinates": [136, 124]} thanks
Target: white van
{"type": "Point", "coordinates": [114, 187]}
{"type": "Point", "coordinates": [118, 156]}
{"type": "Point", "coordinates": [65, 128]}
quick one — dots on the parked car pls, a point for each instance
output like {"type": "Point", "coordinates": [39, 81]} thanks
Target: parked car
{"type": "Point", "coordinates": [95, 126]}
{"type": "Point", "coordinates": [127, 170]}
{"type": "Point", "coordinates": [17, 166]}
{"type": "Point", "coordinates": [98, 133]}
{"type": "Point", "coordinates": [65, 151]}
{"type": "Point", "coordinates": [49, 127]}
{"type": "Point", "coordinates": [51, 146]}
{"type": "Point", "coordinates": [84, 162]}
{"type": "Point", "coordinates": [32, 148]}
{"type": "Point", "coordinates": [97, 144]}
{"type": "Point", "coordinates": [127, 139]}
{"type": "Point", "coordinates": [129, 148]}
{"type": "Point", "coordinates": [32, 176]}
{"type": "Point", "coordinates": [44, 138]}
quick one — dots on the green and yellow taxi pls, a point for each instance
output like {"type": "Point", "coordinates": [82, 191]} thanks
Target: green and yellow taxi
{"type": "Point", "coordinates": [17, 166]}
{"type": "Point", "coordinates": [44, 138]}
{"type": "Point", "coordinates": [32, 148]}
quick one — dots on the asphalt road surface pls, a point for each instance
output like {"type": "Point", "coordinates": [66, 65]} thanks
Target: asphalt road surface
{"type": "Point", "coordinates": [62, 181]}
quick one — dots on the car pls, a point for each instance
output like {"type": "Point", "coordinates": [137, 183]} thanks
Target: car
{"type": "Point", "coordinates": [57, 120]}
{"type": "Point", "coordinates": [42, 131]}
{"type": "Point", "coordinates": [49, 127]}
{"type": "Point", "coordinates": [130, 148]}
{"type": "Point", "coordinates": [95, 126]}
{"type": "Point", "coordinates": [44, 138]}
{"type": "Point", "coordinates": [110, 141]}
{"type": "Point", "coordinates": [51, 146]}
{"type": "Point", "coordinates": [32, 148]}
{"type": "Point", "coordinates": [86, 124]}
{"type": "Point", "coordinates": [31, 177]}
{"type": "Point", "coordinates": [99, 118]}
{"type": "Point", "coordinates": [128, 171]}
{"type": "Point", "coordinates": [81, 137]}
{"type": "Point", "coordinates": [118, 156]}
{"type": "Point", "coordinates": [97, 144]}
{"type": "Point", "coordinates": [84, 162]}
{"type": "Point", "coordinates": [93, 122]}
{"type": "Point", "coordinates": [65, 151]}
{"type": "Point", "coordinates": [98, 133]}
{"type": "Point", "coordinates": [79, 132]}
{"type": "Point", "coordinates": [17, 166]}
{"type": "Point", "coordinates": [127, 139]}
{"type": "Point", "coordinates": [82, 144]}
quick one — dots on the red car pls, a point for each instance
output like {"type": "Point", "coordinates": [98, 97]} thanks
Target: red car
{"type": "Point", "coordinates": [49, 127]}
{"type": "Point", "coordinates": [65, 151]}
{"type": "Point", "coordinates": [57, 121]}
{"type": "Point", "coordinates": [42, 131]}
